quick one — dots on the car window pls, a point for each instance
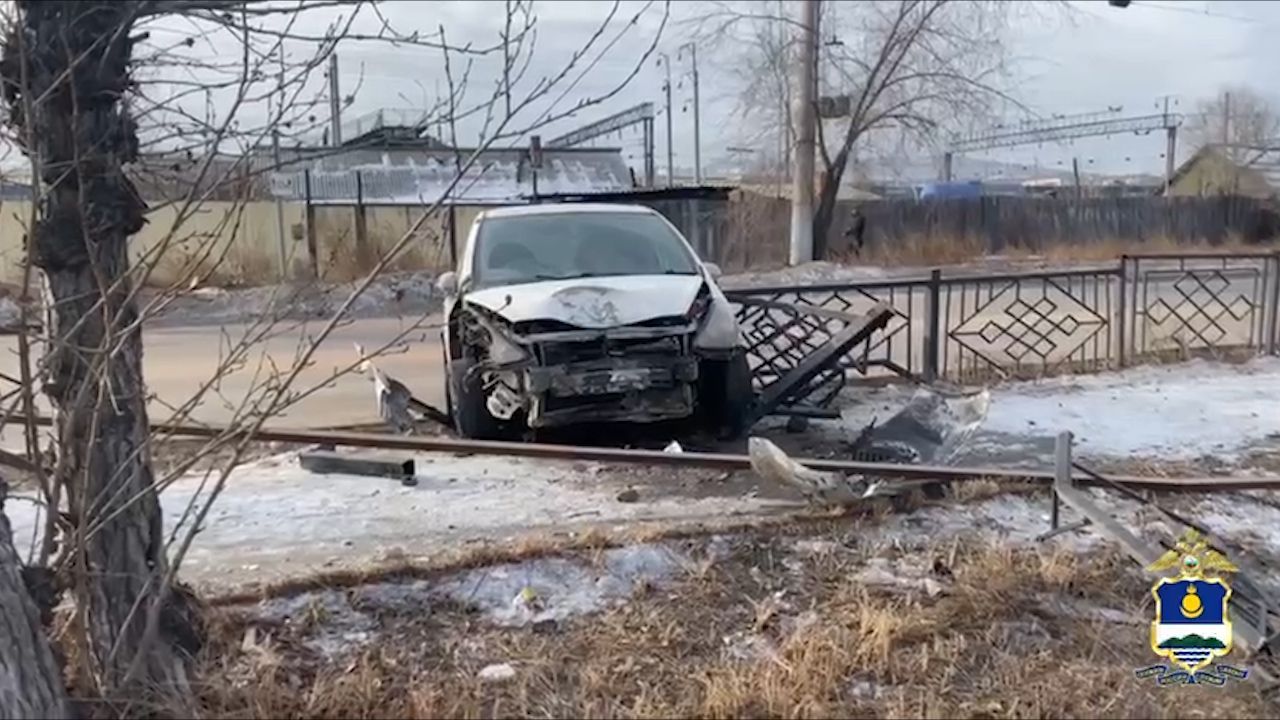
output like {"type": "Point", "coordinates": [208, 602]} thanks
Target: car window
{"type": "Point", "coordinates": [529, 248]}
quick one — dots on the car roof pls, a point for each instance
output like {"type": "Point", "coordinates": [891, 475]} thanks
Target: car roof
{"type": "Point", "coordinates": [564, 209]}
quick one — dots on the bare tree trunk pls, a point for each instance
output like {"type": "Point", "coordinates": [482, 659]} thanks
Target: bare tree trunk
{"type": "Point", "coordinates": [71, 79]}
{"type": "Point", "coordinates": [825, 210]}
{"type": "Point", "coordinates": [30, 681]}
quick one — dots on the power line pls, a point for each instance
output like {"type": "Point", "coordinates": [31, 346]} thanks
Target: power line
{"type": "Point", "coordinates": [1206, 12]}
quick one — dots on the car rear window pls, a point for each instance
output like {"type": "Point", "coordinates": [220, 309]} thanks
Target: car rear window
{"type": "Point", "coordinates": [531, 248]}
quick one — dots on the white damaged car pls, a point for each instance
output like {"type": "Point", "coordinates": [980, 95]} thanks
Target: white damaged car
{"type": "Point", "coordinates": [568, 314]}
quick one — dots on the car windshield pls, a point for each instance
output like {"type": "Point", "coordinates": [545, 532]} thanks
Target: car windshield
{"type": "Point", "coordinates": [521, 249]}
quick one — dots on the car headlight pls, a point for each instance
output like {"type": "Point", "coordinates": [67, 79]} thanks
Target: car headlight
{"type": "Point", "coordinates": [718, 328]}
{"type": "Point", "coordinates": [698, 309]}
{"type": "Point", "coordinates": [503, 350]}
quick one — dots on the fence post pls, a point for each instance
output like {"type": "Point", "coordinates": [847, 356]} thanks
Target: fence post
{"type": "Point", "coordinates": [1275, 303]}
{"type": "Point", "coordinates": [1120, 312]}
{"type": "Point", "coordinates": [452, 219]}
{"type": "Point", "coordinates": [933, 327]}
{"type": "Point", "coordinates": [1061, 470]}
{"type": "Point", "coordinates": [364, 259]}
{"type": "Point", "coordinates": [310, 222]}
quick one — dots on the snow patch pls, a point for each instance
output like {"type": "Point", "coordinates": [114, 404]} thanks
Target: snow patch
{"type": "Point", "coordinates": [280, 520]}
{"type": "Point", "coordinates": [10, 313]}
{"type": "Point", "coordinates": [813, 273]}
{"type": "Point", "coordinates": [340, 627]}
{"type": "Point", "coordinates": [1176, 412]}
{"type": "Point", "coordinates": [1182, 412]}
{"type": "Point", "coordinates": [564, 587]}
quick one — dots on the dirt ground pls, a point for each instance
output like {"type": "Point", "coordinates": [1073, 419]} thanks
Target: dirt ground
{"type": "Point", "coordinates": [868, 615]}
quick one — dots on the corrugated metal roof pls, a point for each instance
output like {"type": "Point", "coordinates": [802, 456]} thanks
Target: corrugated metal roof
{"type": "Point", "coordinates": [421, 176]}
{"type": "Point", "coordinates": [405, 176]}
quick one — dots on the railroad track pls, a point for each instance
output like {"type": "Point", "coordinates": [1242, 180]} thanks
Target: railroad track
{"type": "Point", "coordinates": [711, 461]}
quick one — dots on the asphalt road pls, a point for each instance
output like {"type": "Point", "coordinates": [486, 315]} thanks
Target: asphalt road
{"type": "Point", "coordinates": [177, 361]}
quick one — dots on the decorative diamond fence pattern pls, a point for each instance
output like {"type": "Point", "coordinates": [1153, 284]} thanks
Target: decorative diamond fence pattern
{"type": "Point", "coordinates": [1029, 324]}
{"type": "Point", "coordinates": [1196, 303]}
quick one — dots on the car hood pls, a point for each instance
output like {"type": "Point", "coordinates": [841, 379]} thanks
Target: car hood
{"type": "Point", "coordinates": [598, 302]}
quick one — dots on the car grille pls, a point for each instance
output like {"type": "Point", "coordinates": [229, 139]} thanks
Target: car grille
{"type": "Point", "coordinates": [562, 353]}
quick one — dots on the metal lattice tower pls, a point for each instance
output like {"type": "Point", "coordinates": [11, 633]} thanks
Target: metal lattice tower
{"type": "Point", "coordinates": [1031, 132]}
{"type": "Point", "coordinates": [641, 114]}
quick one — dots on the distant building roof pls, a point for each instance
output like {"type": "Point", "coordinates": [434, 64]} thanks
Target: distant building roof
{"type": "Point", "coordinates": [388, 175]}
{"type": "Point", "coordinates": [643, 194]}
{"type": "Point", "coordinates": [413, 176]}
{"type": "Point", "coordinates": [783, 190]}
{"type": "Point", "coordinates": [563, 208]}
{"type": "Point", "coordinates": [1229, 169]}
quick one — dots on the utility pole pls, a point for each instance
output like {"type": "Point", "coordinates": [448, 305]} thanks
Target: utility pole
{"type": "Point", "coordinates": [1226, 118]}
{"type": "Point", "coordinates": [335, 102]}
{"type": "Point", "coordinates": [506, 61]}
{"type": "Point", "coordinates": [802, 177]}
{"type": "Point", "coordinates": [666, 88]}
{"type": "Point", "coordinates": [647, 126]}
{"type": "Point", "coordinates": [275, 158]}
{"type": "Point", "coordinates": [784, 111]}
{"type": "Point", "coordinates": [697, 122]}
{"type": "Point", "coordinates": [1170, 148]}
{"type": "Point", "coordinates": [1226, 125]}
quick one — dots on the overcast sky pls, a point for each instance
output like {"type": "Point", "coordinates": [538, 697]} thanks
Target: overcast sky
{"type": "Point", "coordinates": [1094, 57]}
{"type": "Point", "coordinates": [1085, 60]}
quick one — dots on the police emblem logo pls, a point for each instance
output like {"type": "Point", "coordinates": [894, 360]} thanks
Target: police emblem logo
{"type": "Point", "coordinates": [1192, 626]}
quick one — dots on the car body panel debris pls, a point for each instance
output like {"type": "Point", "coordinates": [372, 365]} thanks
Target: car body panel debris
{"type": "Point", "coordinates": [931, 428]}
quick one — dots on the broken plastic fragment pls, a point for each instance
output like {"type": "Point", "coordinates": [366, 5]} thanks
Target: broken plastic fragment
{"type": "Point", "coordinates": [497, 672]}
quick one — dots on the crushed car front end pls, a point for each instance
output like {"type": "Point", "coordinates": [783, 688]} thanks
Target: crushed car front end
{"type": "Point", "coordinates": [633, 374]}
{"type": "Point", "coordinates": [588, 314]}
{"type": "Point", "coordinates": [546, 373]}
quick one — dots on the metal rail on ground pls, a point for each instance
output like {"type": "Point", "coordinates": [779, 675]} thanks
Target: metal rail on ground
{"type": "Point", "coordinates": [712, 461]}
{"type": "Point", "coordinates": [1252, 612]}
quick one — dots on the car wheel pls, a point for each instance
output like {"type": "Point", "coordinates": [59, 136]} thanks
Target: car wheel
{"type": "Point", "coordinates": [471, 419]}
{"type": "Point", "coordinates": [726, 396]}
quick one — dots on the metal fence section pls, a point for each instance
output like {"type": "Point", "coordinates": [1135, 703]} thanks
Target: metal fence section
{"type": "Point", "coordinates": [1027, 323]}
{"type": "Point", "coordinates": [1195, 303]}
{"type": "Point", "coordinates": [777, 337]}
{"type": "Point", "coordinates": [973, 327]}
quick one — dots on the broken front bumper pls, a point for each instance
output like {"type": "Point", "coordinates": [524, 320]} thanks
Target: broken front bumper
{"type": "Point", "coordinates": [612, 390]}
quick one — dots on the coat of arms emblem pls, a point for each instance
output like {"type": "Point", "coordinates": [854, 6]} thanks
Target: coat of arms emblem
{"type": "Point", "coordinates": [1192, 626]}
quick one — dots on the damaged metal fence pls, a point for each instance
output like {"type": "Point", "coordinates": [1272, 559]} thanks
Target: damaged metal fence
{"type": "Point", "coordinates": [975, 326]}
{"type": "Point", "coordinates": [1254, 616]}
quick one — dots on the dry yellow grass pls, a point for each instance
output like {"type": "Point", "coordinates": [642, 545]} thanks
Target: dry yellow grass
{"type": "Point", "coordinates": [827, 645]}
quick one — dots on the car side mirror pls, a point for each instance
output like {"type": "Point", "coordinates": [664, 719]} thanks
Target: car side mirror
{"type": "Point", "coordinates": [447, 283]}
{"type": "Point", "coordinates": [713, 270]}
